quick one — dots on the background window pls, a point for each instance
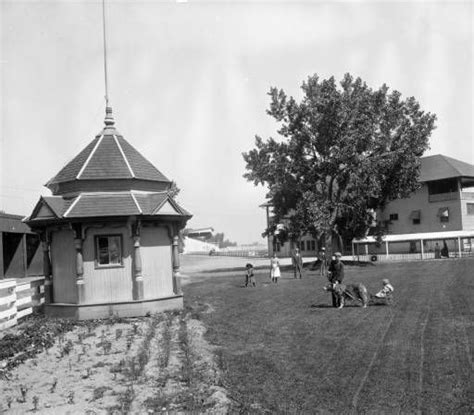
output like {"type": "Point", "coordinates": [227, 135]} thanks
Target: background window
{"type": "Point", "coordinates": [393, 216]}
{"type": "Point", "coordinates": [109, 250]}
{"type": "Point", "coordinates": [443, 214]}
{"type": "Point", "coordinates": [470, 208]}
{"type": "Point", "coordinates": [415, 216]}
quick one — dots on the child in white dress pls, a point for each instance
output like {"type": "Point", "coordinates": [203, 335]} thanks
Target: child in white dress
{"type": "Point", "coordinates": [274, 268]}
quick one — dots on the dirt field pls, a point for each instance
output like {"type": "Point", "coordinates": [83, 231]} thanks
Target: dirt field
{"type": "Point", "coordinates": [147, 365]}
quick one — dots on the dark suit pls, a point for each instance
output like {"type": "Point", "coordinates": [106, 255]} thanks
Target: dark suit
{"type": "Point", "coordinates": [337, 275]}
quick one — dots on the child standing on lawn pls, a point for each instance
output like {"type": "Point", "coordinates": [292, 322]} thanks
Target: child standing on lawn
{"type": "Point", "coordinates": [249, 276]}
{"type": "Point", "coordinates": [275, 268]}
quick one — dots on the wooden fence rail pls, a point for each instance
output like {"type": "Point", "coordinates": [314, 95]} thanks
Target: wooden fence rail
{"type": "Point", "coordinates": [18, 298]}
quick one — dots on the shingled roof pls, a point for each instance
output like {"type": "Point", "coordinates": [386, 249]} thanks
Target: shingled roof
{"type": "Point", "coordinates": [108, 156]}
{"type": "Point", "coordinates": [439, 167]}
{"type": "Point", "coordinates": [117, 172]}
{"type": "Point", "coordinates": [106, 204]}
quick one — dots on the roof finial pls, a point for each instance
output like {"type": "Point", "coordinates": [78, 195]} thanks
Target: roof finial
{"type": "Point", "coordinates": [109, 119]}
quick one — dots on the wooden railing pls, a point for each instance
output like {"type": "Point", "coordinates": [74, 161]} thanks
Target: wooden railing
{"type": "Point", "coordinates": [18, 298]}
{"type": "Point", "coordinates": [441, 197]}
{"type": "Point", "coordinates": [407, 257]}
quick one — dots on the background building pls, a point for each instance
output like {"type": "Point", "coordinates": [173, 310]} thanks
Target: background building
{"type": "Point", "coordinates": [20, 251]}
{"type": "Point", "coordinates": [440, 211]}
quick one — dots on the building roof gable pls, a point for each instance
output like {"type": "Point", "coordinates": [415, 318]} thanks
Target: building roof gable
{"type": "Point", "coordinates": [440, 167]}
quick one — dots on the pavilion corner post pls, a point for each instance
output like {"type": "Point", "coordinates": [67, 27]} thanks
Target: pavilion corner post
{"type": "Point", "coordinates": [137, 263]}
{"type": "Point", "coordinates": [48, 282]}
{"type": "Point", "coordinates": [79, 270]}
{"type": "Point", "coordinates": [176, 275]}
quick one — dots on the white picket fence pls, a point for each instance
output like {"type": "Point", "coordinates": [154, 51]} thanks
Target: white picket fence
{"type": "Point", "coordinates": [18, 298]}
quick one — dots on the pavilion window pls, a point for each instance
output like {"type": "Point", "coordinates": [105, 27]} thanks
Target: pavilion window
{"type": "Point", "coordinates": [108, 250]}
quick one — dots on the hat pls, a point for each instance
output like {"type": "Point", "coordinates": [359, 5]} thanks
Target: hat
{"type": "Point", "coordinates": [249, 265]}
{"type": "Point", "coordinates": [385, 282]}
{"type": "Point", "coordinates": [337, 254]}
{"type": "Point", "coordinates": [323, 248]}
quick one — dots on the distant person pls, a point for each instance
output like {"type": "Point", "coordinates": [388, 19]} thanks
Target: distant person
{"type": "Point", "coordinates": [249, 276]}
{"type": "Point", "coordinates": [437, 251]}
{"type": "Point", "coordinates": [323, 270]}
{"type": "Point", "coordinates": [275, 268]}
{"type": "Point", "coordinates": [297, 261]}
{"type": "Point", "coordinates": [336, 275]}
{"type": "Point", "coordinates": [386, 290]}
{"type": "Point", "coordinates": [444, 250]}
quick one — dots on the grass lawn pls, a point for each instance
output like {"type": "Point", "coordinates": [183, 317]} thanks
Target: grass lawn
{"type": "Point", "coordinates": [284, 349]}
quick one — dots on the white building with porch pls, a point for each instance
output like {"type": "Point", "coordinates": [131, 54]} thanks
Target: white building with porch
{"type": "Point", "coordinates": [440, 212]}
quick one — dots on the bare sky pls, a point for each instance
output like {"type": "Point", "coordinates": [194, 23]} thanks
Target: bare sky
{"type": "Point", "coordinates": [188, 84]}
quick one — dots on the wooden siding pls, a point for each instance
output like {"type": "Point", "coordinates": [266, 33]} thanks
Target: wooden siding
{"type": "Point", "coordinates": [107, 284]}
{"type": "Point", "coordinates": [430, 221]}
{"type": "Point", "coordinates": [63, 259]}
{"type": "Point", "coordinates": [467, 220]}
{"type": "Point", "coordinates": [157, 266]}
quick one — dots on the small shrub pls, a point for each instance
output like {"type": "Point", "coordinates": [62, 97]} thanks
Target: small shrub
{"type": "Point", "coordinates": [35, 403]}
{"type": "Point", "coordinates": [53, 386]}
{"type": "Point", "coordinates": [99, 392]}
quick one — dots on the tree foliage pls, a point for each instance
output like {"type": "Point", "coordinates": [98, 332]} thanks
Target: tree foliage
{"type": "Point", "coordinates": [343, 151]}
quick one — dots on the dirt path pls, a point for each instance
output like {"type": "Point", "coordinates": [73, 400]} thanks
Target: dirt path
{"type": "Point", "coordinates": [160, 363]}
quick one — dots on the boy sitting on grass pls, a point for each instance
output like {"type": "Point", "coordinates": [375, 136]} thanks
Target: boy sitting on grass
{"type": "Point", "coordinates": [249, 277]}
{"type": "Point", "coordinates": [386, 291]}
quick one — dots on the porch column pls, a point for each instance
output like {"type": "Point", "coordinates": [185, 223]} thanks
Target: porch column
{"type": "Point", "coordinates": [48, 282]}
{"type": "Point", "coordinates": [386, 249]}
{"type": "Point", "coordinates": [459, 247]}
{"type": "Point", "coordinates": [137, 270]}
{"type": "Point", "coordinates": [421, 249]}
{"type": "Point", "coordinates": [176, 275]}
{"type": "Point", "coordinates": [79, 271]}
{"type": "Point", "coordinates": [25, 255]}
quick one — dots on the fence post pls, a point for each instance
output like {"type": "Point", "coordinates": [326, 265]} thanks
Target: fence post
{"type": "Point", "coordinates": [8, 311]}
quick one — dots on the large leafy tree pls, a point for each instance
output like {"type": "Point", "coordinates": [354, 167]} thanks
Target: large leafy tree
{"type": "Point", "coordinates": [343, 152]}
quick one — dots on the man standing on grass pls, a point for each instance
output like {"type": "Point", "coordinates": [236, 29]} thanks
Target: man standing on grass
{"type": "Point", "coordinates": [336, 275]}
{"type": "Point", "coordinates": [297, 261]}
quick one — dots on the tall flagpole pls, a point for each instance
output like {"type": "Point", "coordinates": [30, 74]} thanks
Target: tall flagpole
{"type": "Point", "coordinates": [109, 119]}
{"type": "Point", "coordinates": [105, 55]}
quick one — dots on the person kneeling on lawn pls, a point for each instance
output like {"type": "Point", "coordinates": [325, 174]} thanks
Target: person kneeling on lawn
{"type": "Point", "coordinates": [249, 277]}
{"type": "Point", "coordinates": [386, 290]}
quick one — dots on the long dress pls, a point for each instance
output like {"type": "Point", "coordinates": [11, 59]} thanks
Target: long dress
{"type": "Point", "coordinates": [275, 268]}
